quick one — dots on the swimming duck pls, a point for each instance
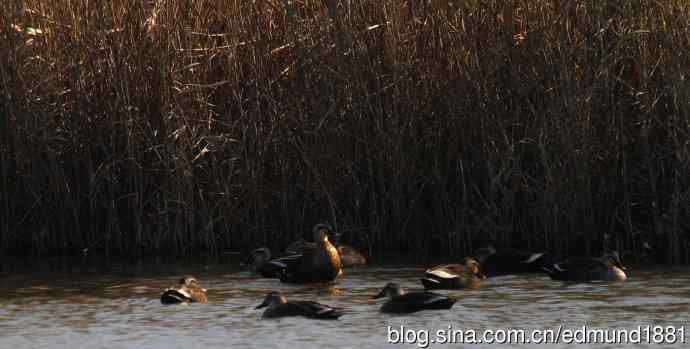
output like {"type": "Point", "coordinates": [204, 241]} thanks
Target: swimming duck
{"type": "Point", "coordinates": [259, 259]}
{"type": "Point", "coordinates": [508, 261]}
{"type": "Point", "coordinates": [188, 292]}
{"type": "Point", "coordinates": [349, 256]}
{"type": "Point", "coordinates": [606, 268]}
{"type": "Point", "coordinates": [453, 276]}
{"type": "Point", "coordinates": [401, 302]}
{"type": "Point", "coordinates": [278, 306]}
{"type": "Point", "coordinates": [318, 263]}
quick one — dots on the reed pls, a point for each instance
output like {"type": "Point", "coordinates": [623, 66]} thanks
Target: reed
{"type": "Point", "coordinates": [186, 127]}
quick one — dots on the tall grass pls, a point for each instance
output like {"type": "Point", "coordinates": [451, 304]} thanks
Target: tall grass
{"type": "Point", "coordinates": [193, 126]}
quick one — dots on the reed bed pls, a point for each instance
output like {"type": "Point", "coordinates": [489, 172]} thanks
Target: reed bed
{"type": "Point", "coordinates": [199, 127]}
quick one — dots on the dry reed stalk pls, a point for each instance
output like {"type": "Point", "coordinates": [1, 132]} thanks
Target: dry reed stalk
{"type": "Point", "coordinates": [170, 127]}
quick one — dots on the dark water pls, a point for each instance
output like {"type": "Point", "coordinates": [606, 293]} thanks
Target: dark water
{"type": "Point", "coordinates": [83, 306]}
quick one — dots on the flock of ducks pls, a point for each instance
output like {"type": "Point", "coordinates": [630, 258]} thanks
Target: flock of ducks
{"type": "Point", "coordinates": [322, 262]}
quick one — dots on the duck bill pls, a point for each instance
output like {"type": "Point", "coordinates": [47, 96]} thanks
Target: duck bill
{"type": "Point", "coordinates": [264, 304]}
{"type": "Point", "coordinates": [380, 295]}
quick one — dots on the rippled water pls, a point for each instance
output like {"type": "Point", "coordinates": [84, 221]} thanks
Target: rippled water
{"type": "Point", "coordinates": [98, 307]}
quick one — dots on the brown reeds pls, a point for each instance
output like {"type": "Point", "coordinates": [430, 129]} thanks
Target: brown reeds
{"type": "Point", "coordinates": [133, 127]}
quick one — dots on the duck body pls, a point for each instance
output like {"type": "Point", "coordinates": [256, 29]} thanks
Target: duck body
{"type": "Point", "coordinates": [401, 302]}
{"type": "Point", "coordinates": [453, 276]}
{"type": "Point", "coordinates": [318, 263]}
{"type": "Point", "coordinates": [606, 269]}
{"type": "Point", "coordinates": [508, 261]}
{"type": "Point", "coordinates": [173, 296]}
{"type": "Point", "coordinates": [349, 256]}
{"type": "Point", "coordinates": [279, 307]}
{"type": "Point", "coordinates": [263, 263]}
{"type": "Point", "coordinates": [188, 292]}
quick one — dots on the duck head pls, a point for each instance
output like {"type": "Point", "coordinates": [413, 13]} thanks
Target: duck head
{"type": "Point", "coordinates": [391, 290]}
{"type": "Point", "coordinates": [614, 258]}
{"type": "Point", "coordinates": [472, 267]}
{"type": "Point", "coordinates": [259, 256]}
{"type": "Point", "coordinates": [323, 232]}
{"type": "Point", "coordinates": [273, 298]}
{"type": "Point", "coordinates": [190, 282]}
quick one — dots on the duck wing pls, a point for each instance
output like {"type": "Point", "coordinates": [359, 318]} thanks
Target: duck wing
{"type": "Point", "coordinates": [517, 256]}
{"type": "Point", "coordinates": [290, 265]}
{"type": "Point", "coordinates": [174, 296]}
{"type": "Point", "coordinates": [317, 264]}
{"type": "Point", "coordinates": [272, 268]}
{"type": "Point", "coordinates": [578, 269]}
{"type": "Point", "coordinates": [446, 271]}
{"type": "Point", "coordinates": [581, 264]}
{"type": "Point", "coordinates": [443, 276]}
{"type": "Point", "coordinates": [416, 301]}
{"type": "Point", "coordinates": [316, 310]}
{"type": "Point", "coordinates": [285, 261]}
{"type": "Point", "coordinates": [436, 301]}
{"type": "Point", "coordinates": [511, 261]}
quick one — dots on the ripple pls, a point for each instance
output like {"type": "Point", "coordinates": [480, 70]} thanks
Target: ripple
{"type": "Point", "coordinates": [123, 310]}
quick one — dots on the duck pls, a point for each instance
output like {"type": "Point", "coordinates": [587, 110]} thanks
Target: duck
{"type": "Point", "coordinates": [188, 292]}
{"type": "Point", "coordinates": [453, 276]}
{"type": "Point", "coordinates": [508, 261]}
{"type": "Point", "coordinates": [349, 255]}
{"type": "Point", "coordinates": [607, 268]}
{"type": "Point", "coordinates": [259, 259]}
{"type": "Point", "coordinates": [278, 306]}
{"type": "Point", "coordinates": [401, 302]}
{"type": "Point", "coordinates": [317, 263]}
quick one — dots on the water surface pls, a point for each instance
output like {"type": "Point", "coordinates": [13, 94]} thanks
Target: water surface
{"type": "Point", "coordinates": [95, 306]}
